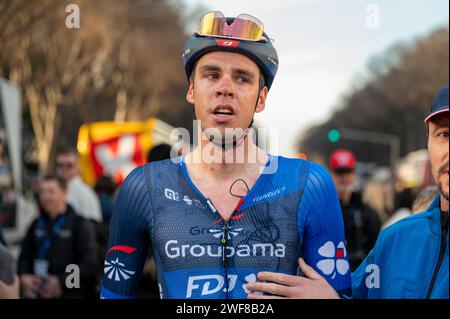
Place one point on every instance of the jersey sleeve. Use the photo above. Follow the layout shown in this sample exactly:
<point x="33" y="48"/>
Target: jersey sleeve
<point x="129" y="238"/>
<point x="322" y="230"/>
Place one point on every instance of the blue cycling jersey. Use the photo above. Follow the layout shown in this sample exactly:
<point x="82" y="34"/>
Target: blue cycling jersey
<point x="292" y="211"/>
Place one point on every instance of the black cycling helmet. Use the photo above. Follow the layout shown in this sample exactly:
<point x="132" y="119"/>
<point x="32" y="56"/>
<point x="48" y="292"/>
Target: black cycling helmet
<point x="263" y="53"/>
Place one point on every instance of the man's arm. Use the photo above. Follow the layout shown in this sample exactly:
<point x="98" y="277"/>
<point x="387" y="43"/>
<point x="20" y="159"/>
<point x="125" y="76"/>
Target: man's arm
<point x="29" y="281"/>
<point x="322" y="231"/>
<point x="128" y="239"/>
<point x="86" y="246"/>
<point x="27" y="252"/>
<point x="86" y="252"/>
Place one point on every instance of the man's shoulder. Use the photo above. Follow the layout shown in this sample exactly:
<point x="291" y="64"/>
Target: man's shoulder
<point x="156" y="170"/>
<point x="288" y="161"/>
<point x="411" y="229"/>
<point x="310" y="176"/>
<point x="74" y="219"/>
<point x="163" y="166"/>
<point x="298" y="165"/>
<point x="405" y="224"/>
<point x="314" y="175"/>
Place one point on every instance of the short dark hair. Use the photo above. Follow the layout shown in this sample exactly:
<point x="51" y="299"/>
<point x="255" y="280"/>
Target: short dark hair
<point x="58" y="179"/>
<point x="68" y="150"/>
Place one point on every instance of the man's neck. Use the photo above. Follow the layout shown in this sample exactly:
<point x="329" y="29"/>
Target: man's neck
<point x="58" y="212"/>
<point x="444" y="204"/>
<point x="243" y="158"/>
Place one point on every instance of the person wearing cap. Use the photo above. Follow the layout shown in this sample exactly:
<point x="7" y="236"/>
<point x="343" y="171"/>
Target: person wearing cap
<point x="361" y="223"/>
<point x="227" y="210"/>
<point x="410" y="258"/>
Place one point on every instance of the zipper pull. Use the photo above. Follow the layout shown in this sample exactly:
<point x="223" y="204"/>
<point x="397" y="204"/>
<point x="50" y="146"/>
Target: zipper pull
<point x="224" y="241"/>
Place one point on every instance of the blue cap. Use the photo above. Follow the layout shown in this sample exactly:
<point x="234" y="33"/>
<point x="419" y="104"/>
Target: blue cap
<point x="439" y="104"/>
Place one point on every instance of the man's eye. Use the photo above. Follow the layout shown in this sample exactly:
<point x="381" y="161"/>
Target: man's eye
<point x="243" y="79"/>
<point x="212" y="75"/>
<point x="443" y="135"/>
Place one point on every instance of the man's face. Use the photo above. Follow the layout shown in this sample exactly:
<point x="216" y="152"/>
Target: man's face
<point x="438" y="151"/>
<point x="225" y="91"/>
<point x="66" y="166"/>
<point x="51" y="196"/>
<point x="344" y="181"/>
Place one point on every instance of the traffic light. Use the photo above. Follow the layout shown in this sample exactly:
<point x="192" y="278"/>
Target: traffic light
<point x="334" y="136"/>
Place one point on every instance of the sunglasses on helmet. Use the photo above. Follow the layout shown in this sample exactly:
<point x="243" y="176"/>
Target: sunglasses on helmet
<point x="244" y="27"/>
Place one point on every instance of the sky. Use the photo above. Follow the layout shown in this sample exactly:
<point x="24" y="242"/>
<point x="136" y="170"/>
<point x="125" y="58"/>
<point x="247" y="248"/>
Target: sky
<point x="323" y="47"/>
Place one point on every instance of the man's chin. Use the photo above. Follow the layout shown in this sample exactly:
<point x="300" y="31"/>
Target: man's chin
<point x="224" y="136"/>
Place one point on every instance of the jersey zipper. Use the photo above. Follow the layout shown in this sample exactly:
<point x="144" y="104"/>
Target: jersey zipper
<point x="225" y="240"/>
<point x="443" y="246"/>
<point x="224" y="243"/>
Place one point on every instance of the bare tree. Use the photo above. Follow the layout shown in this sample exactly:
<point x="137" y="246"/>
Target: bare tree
<point x="394" y="99"/>
<point x="124" y="63"/>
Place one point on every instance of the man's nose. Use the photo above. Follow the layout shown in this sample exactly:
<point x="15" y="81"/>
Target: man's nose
<point x="225" y="88"/>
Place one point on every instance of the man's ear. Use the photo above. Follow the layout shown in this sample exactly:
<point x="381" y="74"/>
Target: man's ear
<point x="190" y="97"/>
<point x="261" y="104"/>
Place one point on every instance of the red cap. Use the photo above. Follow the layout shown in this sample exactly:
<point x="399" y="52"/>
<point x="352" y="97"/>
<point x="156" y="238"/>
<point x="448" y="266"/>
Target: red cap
<point x="342" y="159"/>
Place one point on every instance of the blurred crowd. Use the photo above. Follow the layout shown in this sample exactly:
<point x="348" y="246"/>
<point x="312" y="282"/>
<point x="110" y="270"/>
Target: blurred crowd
<point x="71" y="229"/>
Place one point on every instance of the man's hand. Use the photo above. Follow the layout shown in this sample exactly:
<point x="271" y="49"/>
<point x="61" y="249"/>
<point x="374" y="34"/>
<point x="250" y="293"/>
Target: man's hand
<point x="295" y="287"/>
<point x="10" y="292"/>
<point x="30" y="285"/>
<point x="51" y="289"/>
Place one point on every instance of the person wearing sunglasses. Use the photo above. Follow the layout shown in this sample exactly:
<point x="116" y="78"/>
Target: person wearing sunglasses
<point x="215" y="222"/>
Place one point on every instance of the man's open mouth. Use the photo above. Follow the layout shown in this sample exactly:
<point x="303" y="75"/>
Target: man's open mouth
<point x="223" y="110"/>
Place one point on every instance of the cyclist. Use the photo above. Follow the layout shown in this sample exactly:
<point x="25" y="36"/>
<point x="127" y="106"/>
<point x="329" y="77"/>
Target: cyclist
<point x="214" y="224"/>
